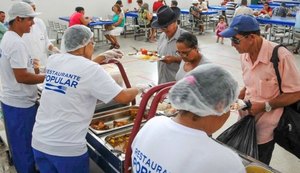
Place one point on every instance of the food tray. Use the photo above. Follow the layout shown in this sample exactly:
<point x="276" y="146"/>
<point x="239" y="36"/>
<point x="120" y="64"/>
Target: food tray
<point x="114" y="119"/>
<point x="117" y="141"/>
<point x="151" y="56"/>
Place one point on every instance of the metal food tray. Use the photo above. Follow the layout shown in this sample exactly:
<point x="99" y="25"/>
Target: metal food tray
<point x="120" y="153"/>
<point x="109" y="158"/>
<point x="108" y="117"/>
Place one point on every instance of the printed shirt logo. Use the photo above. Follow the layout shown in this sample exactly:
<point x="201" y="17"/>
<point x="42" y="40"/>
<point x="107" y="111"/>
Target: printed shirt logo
<point x="143" y="164"/>
<point x="60" y="81"/>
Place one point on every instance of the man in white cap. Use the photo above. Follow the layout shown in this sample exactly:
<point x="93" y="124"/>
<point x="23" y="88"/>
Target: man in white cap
<point x="18" y="100"/>
<point x="37" y="40"/>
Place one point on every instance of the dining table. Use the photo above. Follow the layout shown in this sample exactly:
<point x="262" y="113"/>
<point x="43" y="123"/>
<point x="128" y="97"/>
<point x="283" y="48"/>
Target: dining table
<point x="95" y="21"/>
<point x="288" y="22"/>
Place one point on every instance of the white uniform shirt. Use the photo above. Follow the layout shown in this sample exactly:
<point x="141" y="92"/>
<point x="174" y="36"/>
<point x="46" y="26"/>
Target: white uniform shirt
<point x="243" y="10"/>
<point x="71" y="88"/>
<point x="14" y="55"/>
<point x="37" y="41"/>
<point x="163" y="145"/>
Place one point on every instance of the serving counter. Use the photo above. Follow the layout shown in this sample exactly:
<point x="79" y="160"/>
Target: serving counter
<point x="107" y="146"/>
<point x="110" y="148"/>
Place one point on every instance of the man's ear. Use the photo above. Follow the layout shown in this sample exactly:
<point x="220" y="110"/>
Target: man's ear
<point x="18" y="18"/>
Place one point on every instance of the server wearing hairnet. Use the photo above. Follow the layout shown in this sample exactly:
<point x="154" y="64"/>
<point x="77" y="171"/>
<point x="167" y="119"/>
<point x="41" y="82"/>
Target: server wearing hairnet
<point x="72" y="85"/>
<point x="19" y="93"/>
<point x="37" y="40"/>
<point x="181" y="144"/>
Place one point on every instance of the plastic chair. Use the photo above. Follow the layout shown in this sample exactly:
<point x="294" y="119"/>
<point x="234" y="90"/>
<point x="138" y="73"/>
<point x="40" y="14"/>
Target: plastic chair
<point x="57" y="28"/>
<point x="280" y="32"/>
<point x="141" y="29"/>
<point x="264" y="30"/>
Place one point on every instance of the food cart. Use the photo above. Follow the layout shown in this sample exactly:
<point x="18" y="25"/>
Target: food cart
<point x="111" y="132"/>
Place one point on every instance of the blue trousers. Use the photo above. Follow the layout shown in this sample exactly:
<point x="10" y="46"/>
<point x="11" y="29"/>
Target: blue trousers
<point x="57" y="164"/>
<point x="19" y="124"/>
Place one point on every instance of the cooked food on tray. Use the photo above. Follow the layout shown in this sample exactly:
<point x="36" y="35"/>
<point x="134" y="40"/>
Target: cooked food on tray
<point x="145" y="54"/>
<point x="100" y="126"/>
<point x="114" y="120"/>
<point x="118" y="142"/>
<point x="120" y="123"/>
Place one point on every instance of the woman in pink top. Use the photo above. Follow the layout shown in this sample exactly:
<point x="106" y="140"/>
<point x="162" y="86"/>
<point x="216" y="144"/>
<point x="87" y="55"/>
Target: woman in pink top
<point x="78" y="18"/>
<point x="222" y="25"/>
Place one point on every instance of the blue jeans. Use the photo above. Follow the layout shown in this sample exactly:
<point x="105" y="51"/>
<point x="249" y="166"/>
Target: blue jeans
<point x="58" y="164"/>
<point x="19" y="124"/>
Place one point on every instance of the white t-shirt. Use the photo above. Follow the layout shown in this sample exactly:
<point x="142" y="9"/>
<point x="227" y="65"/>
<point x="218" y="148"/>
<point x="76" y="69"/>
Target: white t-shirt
<point x="14" y="55"/>
<point x="71" y="88"/>
<point x="37" y="41"/>
<point x="165" y="145"/>
<point x="203" y="6"/>
<point x="243" y="10"/>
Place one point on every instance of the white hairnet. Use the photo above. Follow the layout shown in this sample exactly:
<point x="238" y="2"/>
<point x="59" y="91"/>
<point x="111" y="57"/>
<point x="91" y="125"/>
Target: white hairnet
<point x="206" y="90"/>
<point x="75" y="37"/>
<point x="30" y="2"/>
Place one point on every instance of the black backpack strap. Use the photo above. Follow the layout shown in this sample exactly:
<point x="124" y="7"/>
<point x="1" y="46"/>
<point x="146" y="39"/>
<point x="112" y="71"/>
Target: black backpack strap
<point x="275" y="61"/>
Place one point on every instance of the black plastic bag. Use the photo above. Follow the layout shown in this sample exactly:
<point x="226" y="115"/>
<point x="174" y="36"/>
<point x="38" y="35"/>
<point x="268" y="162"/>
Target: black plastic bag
<point x="287" y="132"/>
<point x="241" y="136"/>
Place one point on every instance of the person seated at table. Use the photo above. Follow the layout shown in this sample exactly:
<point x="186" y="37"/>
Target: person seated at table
<point x="120" y="3"/>
<point x="78" y="17"/>
<point x="243" y="9"/>
<point x="195" y="16"/>
<point x="224" y="2"/>
<point x="140" y="3"/>
<point x="203" y="5"/>
<point x="188" y="50"/>
<point x="281" y="11"/>
<point x="296" y="33"/>
<point x="181" y="144"/>
<point x="114" y="30"/>
<point x="145" y="19"/>
<point x="174" y="3"/>
<point x="267" y="10"/>
<point x="157" y="4"/>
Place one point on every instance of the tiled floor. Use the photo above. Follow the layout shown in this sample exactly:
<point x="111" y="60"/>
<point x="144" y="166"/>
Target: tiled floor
<point x="140" y="71"/>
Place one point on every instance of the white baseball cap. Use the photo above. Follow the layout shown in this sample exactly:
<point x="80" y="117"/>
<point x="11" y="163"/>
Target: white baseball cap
<point x="30" y="2"/>
<point x="195" y="2"/>
<point x="21" y="9"/>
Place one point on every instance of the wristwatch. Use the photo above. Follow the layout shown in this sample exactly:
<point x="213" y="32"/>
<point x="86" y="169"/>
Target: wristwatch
<point x="268" y="107"/>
